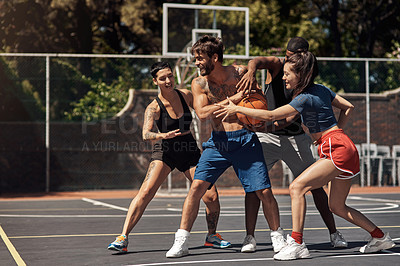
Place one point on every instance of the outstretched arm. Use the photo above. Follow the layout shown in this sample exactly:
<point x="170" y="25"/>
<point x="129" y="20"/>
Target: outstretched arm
<point x="277" y="114"/>
<point x="248" y="81"/>
<point x="201" y="103"/>
<point x="346" y="108"/>
<point x="149" y="117"/>
<point x="280" y="124"/>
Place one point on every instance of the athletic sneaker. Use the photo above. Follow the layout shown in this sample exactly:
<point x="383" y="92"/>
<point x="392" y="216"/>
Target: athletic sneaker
<point x="180" y="246"/>
<point x="249" y="244"/>
<point x="292" y="251"/>
<point x="337" y="240"/>
<point x="120" y="244"/>
<point x="278" y="239"/>
<point x="378" y="244"/>
<point x="216" y="241"/>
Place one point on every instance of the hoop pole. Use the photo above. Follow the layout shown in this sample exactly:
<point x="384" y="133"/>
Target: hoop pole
<point x="47" y="123"/>
<point x="247" y="34"/>
<point x="165" y="29"/>
<point x="368" y="122"/>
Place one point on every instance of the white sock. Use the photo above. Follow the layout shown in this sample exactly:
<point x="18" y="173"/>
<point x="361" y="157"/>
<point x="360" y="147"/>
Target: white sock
<point x="182" y="232"/>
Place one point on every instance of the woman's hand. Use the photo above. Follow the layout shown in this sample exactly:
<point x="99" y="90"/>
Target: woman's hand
<point x="236" y="98"/>
<point x="171" y="134"/>
<point x="226" y="109"/>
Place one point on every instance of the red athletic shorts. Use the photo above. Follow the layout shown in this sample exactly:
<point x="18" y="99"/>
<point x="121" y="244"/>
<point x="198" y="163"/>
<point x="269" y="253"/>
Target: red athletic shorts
<point x="338" y="147"/>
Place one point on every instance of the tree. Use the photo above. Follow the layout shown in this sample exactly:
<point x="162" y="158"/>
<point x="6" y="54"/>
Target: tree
<point x="359" y="28"/>
<point x="350" y="28"/>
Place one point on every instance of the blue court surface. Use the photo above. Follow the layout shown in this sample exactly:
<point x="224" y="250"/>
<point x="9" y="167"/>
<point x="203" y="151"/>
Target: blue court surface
<point x="77" y="232"/>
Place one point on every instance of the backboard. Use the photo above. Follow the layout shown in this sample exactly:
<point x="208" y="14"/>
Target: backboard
<point x="183" y="24"/>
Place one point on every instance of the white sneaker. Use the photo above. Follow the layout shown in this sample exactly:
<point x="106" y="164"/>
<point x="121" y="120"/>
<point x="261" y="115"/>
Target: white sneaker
<point x="278" y="239"/>
<point x="180" y="247"/>
<point x="292" y="251"/>
<point x="337" y="240"/>
<point x="249" y="244"/>
<point x="378" y="244"/>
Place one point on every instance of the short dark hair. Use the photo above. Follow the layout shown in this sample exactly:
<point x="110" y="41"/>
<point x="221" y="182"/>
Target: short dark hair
<point x="210" y="45"/>
<point x="158" y="66"/>
<point x="305" y="66"/>
<point x="297" y="44"/>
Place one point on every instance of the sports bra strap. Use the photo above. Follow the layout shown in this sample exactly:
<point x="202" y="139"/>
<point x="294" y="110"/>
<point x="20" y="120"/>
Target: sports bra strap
<point x="184" y="104"/>
<point x="160" y="103"/>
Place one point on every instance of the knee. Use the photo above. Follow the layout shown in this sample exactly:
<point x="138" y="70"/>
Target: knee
<point x="146" y="194"/>
<point x="211" y="196"/>
<point x="266" y="196"/>
<point x="296" y="190"/>
<point x="338" y="209"/>
<point x="197" y="189"/>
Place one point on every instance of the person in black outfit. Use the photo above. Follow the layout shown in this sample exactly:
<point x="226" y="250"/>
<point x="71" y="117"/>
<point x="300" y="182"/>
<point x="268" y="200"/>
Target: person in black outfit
<point x="175" y="147"/>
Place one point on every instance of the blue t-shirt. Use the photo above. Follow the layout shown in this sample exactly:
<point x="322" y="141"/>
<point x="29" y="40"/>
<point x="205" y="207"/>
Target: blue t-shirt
<point x="315" y="106"/>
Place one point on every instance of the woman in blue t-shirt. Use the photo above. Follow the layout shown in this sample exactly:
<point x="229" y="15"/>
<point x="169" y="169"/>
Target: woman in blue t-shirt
<point x="338" y="162"/>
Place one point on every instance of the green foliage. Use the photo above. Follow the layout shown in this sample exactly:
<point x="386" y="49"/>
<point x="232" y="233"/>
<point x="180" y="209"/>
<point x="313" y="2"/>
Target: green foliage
<point x="101" y="102"/>
<point x="102" y="99"/>
<point x="18" y="99"/>
<point x="333" y="28"/>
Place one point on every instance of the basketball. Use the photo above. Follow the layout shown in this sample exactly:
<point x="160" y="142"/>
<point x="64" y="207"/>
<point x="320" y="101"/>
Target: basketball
<point x="255" y="101"/>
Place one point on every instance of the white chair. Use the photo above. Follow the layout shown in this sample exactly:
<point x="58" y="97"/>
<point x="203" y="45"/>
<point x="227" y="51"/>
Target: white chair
<point x="362" y="174"/>
<point x="396" y="164"/>
<point x="385" y="162"/>
<point x="372" y="150"/>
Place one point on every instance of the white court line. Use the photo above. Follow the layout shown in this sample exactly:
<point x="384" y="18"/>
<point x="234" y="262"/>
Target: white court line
<point x="373" y="199"/>
<point x="258" y="259"/>
<point x="199" y="261"/>
<point x="96" y="202"/>
<point x="286" y="213"/>
<point x="62" y="216"/>
<point x="384" y="210"/>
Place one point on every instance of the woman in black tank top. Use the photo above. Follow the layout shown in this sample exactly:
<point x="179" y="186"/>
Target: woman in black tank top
<point x="177" y="149"/>
<point x="166" y="123"/>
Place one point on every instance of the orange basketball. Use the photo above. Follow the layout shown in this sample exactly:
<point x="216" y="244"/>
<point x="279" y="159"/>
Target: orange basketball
<point x="255" y="101"/>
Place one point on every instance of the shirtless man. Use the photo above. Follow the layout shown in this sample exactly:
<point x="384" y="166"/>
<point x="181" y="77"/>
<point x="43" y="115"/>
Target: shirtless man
<point x="230" y="144"/>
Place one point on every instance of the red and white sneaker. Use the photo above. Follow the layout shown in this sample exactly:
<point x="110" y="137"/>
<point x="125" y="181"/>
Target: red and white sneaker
<point x="292" y="251"/>
<point x="378" y="244"/>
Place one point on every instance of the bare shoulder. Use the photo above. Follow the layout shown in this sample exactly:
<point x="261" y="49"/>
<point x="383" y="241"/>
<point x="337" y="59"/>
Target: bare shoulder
<point x="240" y="69"/>
<point x="199" y="83"/>
<point x="153" y="107"/>
<point x="278" y="62"/>
<point x="185" y="92"/>
<point x="187" y="95"/>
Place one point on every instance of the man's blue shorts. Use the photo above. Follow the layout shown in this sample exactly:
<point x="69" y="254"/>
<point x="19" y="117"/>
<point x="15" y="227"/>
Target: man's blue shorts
<point x="240" y="149"/>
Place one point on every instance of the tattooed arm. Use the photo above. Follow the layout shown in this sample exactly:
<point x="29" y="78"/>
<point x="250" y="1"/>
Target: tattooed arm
<point x="150" y="115"/>
<point x="203" y="103"/>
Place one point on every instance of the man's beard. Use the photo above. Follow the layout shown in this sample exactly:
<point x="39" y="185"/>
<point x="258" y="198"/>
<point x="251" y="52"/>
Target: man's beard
<point x="207" y="69"/>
